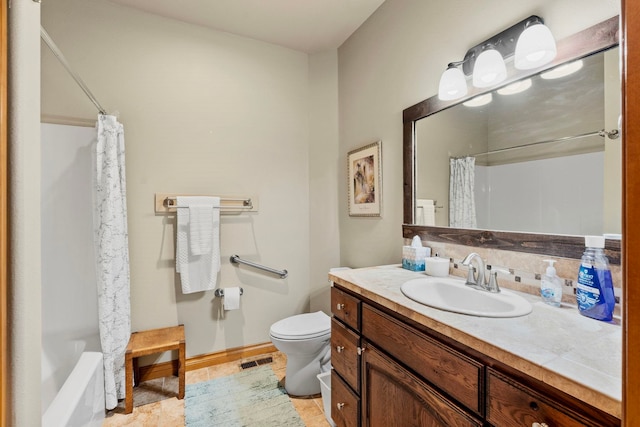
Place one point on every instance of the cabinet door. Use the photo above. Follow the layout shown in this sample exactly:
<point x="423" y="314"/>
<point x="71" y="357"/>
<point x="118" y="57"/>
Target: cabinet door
<point x="392" y="396"/>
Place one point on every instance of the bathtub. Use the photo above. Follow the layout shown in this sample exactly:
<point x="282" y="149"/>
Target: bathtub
<point x="80" y="400"/>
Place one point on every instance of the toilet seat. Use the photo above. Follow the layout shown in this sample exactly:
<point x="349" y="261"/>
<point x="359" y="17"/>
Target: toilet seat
<point x="302" y="327"/>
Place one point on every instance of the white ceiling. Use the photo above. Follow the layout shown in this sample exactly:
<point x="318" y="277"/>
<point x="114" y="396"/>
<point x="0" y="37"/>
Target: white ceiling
<point x="306" y="25"/>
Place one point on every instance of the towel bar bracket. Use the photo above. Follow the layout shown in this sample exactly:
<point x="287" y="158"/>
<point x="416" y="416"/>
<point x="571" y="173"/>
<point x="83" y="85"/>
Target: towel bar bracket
<point x="235" y="259"/>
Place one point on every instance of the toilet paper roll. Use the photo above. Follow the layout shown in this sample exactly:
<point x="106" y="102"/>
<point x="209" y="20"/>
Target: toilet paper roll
<point x="231" y="299"/>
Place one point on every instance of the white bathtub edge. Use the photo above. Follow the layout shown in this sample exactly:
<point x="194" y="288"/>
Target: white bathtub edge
<point x="87" y="374"/>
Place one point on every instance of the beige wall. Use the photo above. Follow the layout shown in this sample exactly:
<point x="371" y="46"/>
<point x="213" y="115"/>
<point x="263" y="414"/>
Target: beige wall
<point x="393" y="61"/>
<point x="207" y="112"/>
<point x="324" y="237"/>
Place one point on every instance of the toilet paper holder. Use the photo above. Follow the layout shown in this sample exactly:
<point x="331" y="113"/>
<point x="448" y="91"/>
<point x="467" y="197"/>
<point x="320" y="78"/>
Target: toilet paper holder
<point x="220" y="292"/>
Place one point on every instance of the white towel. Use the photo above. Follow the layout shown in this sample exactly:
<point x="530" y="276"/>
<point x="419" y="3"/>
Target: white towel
<point x="198" y="271"/>
<point x="203" y="213"/>
<point x="425" y="212"/>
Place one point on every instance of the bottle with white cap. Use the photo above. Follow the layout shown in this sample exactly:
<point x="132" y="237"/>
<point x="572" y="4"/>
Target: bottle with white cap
<point x="594" y="294"/>
<point x="551" y="286"/>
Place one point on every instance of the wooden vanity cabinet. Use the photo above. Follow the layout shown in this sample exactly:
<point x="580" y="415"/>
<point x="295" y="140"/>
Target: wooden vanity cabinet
<point x="389" y="371"/>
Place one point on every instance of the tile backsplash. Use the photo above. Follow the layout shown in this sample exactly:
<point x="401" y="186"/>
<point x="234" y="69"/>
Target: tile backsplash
<point x="525" y="270"/>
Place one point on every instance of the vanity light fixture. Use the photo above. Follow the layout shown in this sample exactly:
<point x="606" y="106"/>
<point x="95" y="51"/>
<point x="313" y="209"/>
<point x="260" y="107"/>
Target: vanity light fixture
<point x="452" y="83"/>
<point x="536" y="46"/>
<point x="529" y="42"/>
<point x="489" y="69"/>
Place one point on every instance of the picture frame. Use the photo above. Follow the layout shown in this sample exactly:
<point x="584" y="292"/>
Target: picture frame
<point x="364" y="176"/>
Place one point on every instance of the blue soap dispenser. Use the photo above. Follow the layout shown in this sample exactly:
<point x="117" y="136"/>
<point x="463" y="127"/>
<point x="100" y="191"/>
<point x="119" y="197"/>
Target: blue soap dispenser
<point x="595" y="295"/>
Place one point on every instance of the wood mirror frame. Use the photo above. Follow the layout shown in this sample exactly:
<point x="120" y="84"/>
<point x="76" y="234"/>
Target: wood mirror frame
<point x="597" y="38"/>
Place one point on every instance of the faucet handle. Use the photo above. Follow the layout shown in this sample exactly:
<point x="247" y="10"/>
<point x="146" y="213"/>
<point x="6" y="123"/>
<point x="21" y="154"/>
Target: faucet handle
<point x="493" y="278"/>
<point x="471" y="275"/>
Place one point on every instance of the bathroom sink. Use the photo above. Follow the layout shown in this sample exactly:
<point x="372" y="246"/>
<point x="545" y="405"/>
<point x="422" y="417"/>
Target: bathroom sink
<point x="450" y="294"/>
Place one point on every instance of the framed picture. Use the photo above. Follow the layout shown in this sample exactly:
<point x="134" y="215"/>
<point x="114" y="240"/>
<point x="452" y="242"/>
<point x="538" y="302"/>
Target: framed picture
<point x="364" y="174"/>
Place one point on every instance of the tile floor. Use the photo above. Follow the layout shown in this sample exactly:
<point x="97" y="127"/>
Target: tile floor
<point x="156" y="405"/>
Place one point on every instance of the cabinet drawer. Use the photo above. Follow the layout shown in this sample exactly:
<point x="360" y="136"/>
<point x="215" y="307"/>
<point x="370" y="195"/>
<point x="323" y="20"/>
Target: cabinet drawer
<point x="510" y="403"/>
<point x="345" y="404"/>
<point x="346" y="308"/>
<point x="344" y="353"/>
<point x="454" y="373"/>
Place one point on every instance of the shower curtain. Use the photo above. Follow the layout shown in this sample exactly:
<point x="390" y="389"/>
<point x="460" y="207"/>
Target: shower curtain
<point x="112" y="254"/>
<point x="462" y="206"/>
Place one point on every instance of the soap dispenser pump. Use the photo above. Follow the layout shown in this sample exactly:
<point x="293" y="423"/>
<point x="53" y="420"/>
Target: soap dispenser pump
<point x="551" y="286"/>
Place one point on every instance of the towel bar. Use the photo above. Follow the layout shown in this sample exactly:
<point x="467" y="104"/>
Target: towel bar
<point x="235" y="259"/>
<point x="220" y="292"/>
<point x="167" y="203"/>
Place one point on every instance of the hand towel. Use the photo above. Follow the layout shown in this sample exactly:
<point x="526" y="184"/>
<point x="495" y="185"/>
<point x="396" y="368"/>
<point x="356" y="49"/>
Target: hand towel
<point x="198" y="272"/>
<point x="203" y="213"/>
<point x="425" y="212"/>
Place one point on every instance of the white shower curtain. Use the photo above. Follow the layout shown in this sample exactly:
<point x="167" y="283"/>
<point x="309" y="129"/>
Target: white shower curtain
<point x="462" y="205"/>
<point x="112" y="254"/>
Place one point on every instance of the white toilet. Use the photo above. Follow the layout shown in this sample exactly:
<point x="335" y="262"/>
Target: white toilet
<point x="305" y="340"/>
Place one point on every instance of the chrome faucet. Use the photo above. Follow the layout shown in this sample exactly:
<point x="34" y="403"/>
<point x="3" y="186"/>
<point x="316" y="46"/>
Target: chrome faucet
<point x="472" y="278"/>
<point x="477" y="280"/>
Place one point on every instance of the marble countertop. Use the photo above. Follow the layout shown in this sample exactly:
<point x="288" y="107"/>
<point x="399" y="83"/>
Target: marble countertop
<point x="558" y="346"/>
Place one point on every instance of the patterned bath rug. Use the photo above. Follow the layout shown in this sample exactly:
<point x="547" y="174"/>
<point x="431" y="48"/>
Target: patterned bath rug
<point x="249" y="398"/>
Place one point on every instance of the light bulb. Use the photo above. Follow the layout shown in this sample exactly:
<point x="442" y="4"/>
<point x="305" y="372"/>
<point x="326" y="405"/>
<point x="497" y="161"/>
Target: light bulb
<point x="452" y="84"/>
<point x="489" y="69"/>
<point x="535" y="47"/>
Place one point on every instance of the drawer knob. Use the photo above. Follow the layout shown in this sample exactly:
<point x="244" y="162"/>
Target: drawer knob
<point x="360" y="350"/>
<point x="340" y="406"/>
<point x="539" y="425"/>
<point x="339" y="306"/>
<point x="534" y="406"/>
<point x="339" y="348"/>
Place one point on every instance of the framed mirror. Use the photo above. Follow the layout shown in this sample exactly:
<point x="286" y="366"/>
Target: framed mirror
<point x="545" y="161"/>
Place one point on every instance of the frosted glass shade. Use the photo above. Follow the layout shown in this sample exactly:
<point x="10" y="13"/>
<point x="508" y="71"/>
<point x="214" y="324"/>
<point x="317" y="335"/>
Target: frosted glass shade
<point x="489" y="69"/>
<point x="535" y="47"/>
<point x="453" y="85"/>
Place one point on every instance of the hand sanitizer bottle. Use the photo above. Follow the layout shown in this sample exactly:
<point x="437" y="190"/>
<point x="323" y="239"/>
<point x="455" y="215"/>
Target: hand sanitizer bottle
<point x="551" y="286"/>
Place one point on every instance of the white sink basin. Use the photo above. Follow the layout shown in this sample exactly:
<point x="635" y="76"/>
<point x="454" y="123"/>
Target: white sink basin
<point x="451" y="294"/>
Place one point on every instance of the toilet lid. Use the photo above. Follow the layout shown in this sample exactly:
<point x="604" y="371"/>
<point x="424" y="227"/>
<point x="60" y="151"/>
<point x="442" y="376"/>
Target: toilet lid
<point x="302" y="326"/>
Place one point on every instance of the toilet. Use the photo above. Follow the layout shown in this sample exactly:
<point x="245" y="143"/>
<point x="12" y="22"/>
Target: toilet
<point x="305" y="340"/>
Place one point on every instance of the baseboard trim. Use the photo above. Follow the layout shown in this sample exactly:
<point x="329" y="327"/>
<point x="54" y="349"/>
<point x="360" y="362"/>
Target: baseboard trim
<point x="165" y="369"/>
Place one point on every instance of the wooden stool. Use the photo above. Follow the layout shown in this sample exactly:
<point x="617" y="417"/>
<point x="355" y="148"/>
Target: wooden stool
<point x="149" y="342"/>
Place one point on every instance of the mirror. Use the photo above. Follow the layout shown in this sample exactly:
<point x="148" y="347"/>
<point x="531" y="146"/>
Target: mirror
<point x="536" y="170"/>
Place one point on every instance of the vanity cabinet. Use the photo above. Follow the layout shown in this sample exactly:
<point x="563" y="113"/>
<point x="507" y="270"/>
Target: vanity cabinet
<point x="391" y="371"/>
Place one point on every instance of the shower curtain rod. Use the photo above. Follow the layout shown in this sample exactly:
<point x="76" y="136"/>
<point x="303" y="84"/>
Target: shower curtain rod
<point x="58" y="54"/>
<point x="613" y="134"/>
